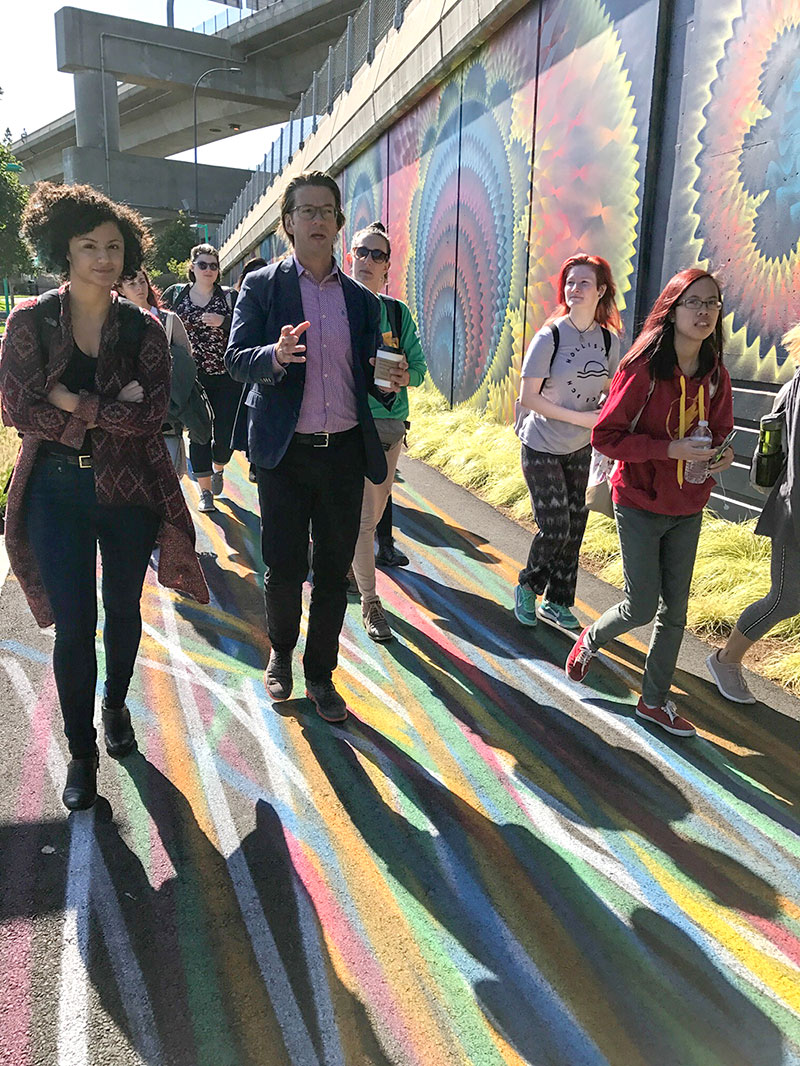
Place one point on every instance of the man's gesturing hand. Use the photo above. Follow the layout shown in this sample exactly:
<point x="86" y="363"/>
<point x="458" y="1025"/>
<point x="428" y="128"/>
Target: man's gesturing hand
<point x="287" y="346"/>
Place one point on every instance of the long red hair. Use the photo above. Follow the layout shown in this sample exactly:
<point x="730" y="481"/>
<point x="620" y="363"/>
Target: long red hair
<point x="606" y="313"/>
<point x="656" y="341"/>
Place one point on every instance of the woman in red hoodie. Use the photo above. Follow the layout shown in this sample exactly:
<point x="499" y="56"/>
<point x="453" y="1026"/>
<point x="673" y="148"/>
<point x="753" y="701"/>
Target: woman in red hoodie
<point x="671" y="379"/>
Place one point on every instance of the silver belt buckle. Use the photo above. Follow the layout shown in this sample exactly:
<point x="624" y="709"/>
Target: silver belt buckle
<point x="84" y="461"/>
<point x="322" y="444"/>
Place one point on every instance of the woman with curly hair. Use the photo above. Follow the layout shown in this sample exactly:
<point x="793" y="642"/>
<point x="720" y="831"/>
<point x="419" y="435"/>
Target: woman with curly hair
<point x="85" y="379"/>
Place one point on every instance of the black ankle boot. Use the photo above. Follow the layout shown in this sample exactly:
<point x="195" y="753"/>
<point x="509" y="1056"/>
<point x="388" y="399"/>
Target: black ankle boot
<point x="80" y="791"/>
<point x="119" y="735"/>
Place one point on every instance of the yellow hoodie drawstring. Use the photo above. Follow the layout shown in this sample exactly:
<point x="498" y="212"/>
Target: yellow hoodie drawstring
<point x="701" y="406"/>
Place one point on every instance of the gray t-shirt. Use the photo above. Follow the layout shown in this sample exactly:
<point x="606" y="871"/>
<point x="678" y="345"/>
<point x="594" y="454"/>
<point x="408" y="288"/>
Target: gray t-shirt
<point x="579" y="376"/>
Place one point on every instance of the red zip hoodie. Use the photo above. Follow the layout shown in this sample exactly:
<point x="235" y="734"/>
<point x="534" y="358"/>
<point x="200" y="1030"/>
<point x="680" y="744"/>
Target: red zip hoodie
<point x="645" y="477"/>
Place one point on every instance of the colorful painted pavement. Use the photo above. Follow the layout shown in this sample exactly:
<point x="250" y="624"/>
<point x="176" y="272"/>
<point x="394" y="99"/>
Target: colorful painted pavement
<point x="487" y="865"/>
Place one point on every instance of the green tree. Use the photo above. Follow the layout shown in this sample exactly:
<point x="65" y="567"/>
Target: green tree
<point x="14" y="257"/>
<point x="175" y="241"/>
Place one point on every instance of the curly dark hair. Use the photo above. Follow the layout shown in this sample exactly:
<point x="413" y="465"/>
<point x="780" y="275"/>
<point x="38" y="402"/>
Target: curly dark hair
<point x="57" y="213"/>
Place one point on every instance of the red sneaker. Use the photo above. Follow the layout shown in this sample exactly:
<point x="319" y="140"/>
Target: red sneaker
<point x="579" y="659"/>
<point x="667" y="717"/>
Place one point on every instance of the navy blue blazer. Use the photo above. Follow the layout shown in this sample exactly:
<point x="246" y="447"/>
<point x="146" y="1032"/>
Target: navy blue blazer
<point x="270" y="299"/>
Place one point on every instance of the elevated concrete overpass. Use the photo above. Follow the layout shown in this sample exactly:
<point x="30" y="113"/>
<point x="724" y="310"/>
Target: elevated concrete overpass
<point x="150" y="114"/>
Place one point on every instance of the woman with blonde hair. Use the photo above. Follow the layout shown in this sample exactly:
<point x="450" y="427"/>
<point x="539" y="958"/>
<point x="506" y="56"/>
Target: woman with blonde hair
<point x="780" y="520"/>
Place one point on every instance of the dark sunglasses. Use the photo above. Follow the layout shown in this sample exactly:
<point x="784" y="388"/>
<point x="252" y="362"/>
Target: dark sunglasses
<point x="377" y="255"/>
<point x="203" y="264"/>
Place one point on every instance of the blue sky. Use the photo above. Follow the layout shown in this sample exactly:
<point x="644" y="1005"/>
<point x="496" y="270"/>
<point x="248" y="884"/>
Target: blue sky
<point x="35" y="93"/>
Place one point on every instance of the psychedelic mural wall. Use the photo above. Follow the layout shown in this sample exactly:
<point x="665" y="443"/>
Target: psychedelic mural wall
<point x="460" y="174"/>
<point x="736" y="194"/>
<point x="536" y="147"/>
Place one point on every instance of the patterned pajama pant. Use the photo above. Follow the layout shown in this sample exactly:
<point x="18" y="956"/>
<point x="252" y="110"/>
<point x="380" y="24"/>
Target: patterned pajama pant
<point x="557" y="484"/>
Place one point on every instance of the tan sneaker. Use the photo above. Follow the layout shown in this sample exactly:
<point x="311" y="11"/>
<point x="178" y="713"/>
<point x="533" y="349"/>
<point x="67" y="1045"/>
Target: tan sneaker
<point x="729" y="680"/>
<point x="375" y="622"/>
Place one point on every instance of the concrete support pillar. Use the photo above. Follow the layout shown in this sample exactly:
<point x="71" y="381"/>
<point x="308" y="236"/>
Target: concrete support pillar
<point x="96" y="121"/>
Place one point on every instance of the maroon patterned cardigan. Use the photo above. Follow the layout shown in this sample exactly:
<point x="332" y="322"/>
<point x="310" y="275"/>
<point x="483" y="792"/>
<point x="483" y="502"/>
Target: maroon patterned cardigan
<point x="130" y="460"/>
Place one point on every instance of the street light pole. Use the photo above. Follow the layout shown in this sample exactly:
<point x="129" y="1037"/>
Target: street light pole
<point x="212" y="70"/>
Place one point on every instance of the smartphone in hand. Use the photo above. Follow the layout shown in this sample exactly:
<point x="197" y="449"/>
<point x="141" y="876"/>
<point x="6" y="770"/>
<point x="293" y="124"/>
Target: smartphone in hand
<point x="723" y="447"/>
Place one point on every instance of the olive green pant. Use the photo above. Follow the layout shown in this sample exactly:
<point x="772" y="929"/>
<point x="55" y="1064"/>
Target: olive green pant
<point x="658" y="553"/>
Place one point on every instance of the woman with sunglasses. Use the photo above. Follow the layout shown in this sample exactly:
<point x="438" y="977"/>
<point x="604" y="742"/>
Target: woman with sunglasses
<point x="670" y="380"/>
<point x="369" y="262"/>
<point x="206" y="310"/>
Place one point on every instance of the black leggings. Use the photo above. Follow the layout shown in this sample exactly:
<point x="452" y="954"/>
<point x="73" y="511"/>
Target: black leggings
<point x="223" y="394"/>
<point x="65" y="524"/>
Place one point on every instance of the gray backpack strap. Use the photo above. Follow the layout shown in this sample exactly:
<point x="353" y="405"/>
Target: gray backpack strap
<point x="635" y="421"/>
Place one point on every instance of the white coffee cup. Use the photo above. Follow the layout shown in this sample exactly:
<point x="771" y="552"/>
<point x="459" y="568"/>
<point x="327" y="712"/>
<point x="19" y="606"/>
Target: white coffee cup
<point x="385" y="359"/>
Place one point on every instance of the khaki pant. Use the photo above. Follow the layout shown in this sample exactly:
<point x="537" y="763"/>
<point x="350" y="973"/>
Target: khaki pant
<point x="373" y="504"/>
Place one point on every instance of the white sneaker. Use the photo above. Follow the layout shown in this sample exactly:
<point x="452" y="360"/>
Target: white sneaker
<point x="729" y="679"/>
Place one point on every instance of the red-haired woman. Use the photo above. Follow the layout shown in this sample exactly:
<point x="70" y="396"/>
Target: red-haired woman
<point x="565" y="374"/>
<point x="671" y="379"/>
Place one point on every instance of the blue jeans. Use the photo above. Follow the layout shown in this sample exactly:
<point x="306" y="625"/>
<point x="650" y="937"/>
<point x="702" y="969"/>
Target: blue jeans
<point x="65" y="524"/>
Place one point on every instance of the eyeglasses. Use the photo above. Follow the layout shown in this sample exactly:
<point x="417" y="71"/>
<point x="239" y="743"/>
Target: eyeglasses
<point x="308" y="212"/>
<point x="377" y="255"/>
<point x="203" y="264"/>
<point x="694" y="303"/>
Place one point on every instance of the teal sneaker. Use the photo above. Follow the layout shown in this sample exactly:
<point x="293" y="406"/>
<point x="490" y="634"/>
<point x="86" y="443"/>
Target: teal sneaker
<point x="556" y="612"/>
<point x="525" y="605"/>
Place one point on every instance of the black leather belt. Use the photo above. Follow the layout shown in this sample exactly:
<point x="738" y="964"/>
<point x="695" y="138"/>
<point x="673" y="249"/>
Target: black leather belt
<point x="324" y="440"/>
<point x="83" y="461"/>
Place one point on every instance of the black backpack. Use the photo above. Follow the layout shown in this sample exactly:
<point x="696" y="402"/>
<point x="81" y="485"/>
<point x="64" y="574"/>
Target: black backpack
<point x="556" y="340"/>
<point x="133" y="323"/>
<point x="395" y="314"/>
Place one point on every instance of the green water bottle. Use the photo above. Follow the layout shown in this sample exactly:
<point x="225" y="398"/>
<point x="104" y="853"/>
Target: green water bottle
<point x="769" y="454"/>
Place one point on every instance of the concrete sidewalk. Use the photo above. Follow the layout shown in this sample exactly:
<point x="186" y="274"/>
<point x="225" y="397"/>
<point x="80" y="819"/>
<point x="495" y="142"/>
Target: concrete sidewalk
<point x="487" y="864"/>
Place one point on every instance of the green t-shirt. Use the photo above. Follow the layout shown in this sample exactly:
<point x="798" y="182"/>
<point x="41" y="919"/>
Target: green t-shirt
<point x="412" y="349"/>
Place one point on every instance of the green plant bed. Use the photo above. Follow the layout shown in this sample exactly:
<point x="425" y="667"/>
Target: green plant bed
<point x="732" y="568"/>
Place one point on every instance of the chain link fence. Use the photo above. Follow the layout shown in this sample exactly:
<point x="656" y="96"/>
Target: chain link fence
<point x="355" y="47"/>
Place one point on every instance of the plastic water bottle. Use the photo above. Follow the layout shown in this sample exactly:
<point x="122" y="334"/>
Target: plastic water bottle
<point x="696" y="470"/>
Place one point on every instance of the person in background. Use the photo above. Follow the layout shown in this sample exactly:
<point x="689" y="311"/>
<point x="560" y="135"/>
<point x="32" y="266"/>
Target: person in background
<point x="304" y="340"/>
<point x="140" y="291"/>
<point x="565" y="376"/>
<point x="256" y="263"/>
<point x="388" y="554"/>
<point x="369" y="259"/>
<point x="85" y="378"/>
<point x="780" y="521"/>
<point x="206" y="309"/>
<point x="671" y="379"/>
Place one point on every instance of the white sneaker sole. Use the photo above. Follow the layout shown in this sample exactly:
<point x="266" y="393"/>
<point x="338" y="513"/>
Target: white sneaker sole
<point x="711" y="664"/>
<point x="547" y="617"/>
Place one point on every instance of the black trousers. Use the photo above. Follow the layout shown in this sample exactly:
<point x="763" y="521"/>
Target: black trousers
<point x="65" y="524"/>
<point x="223" y="395"/>
<point x="557" y="484"/>
<point x="322" y="487"/>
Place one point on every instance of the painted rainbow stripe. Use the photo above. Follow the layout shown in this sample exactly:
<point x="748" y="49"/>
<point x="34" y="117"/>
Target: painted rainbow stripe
<point x="488" y="865"/>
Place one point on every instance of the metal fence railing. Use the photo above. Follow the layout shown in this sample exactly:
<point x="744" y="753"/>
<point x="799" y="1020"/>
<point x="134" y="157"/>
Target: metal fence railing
<point x="229" y="16"/>
<point x="355" y="47"/>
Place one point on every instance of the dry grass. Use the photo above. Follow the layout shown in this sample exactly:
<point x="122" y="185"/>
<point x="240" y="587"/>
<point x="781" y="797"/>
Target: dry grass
<point x="732" y="568"/>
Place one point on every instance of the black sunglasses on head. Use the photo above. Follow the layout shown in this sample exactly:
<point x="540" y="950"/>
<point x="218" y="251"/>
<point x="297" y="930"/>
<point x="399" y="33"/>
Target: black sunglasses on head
<point x="203" y="264"/>
<point x="377" y="255"/>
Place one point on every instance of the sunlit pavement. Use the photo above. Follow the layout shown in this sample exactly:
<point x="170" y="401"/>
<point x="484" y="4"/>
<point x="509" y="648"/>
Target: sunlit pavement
<point x="487" y="864"/>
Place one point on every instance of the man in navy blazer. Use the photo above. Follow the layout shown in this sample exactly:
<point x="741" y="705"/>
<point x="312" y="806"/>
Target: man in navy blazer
<point x="310" y="433"/>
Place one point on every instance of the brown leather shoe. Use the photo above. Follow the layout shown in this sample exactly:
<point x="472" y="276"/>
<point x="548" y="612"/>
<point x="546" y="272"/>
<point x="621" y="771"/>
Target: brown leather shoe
<point x="326" y="699"/>
<point x="278" y="675"/>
